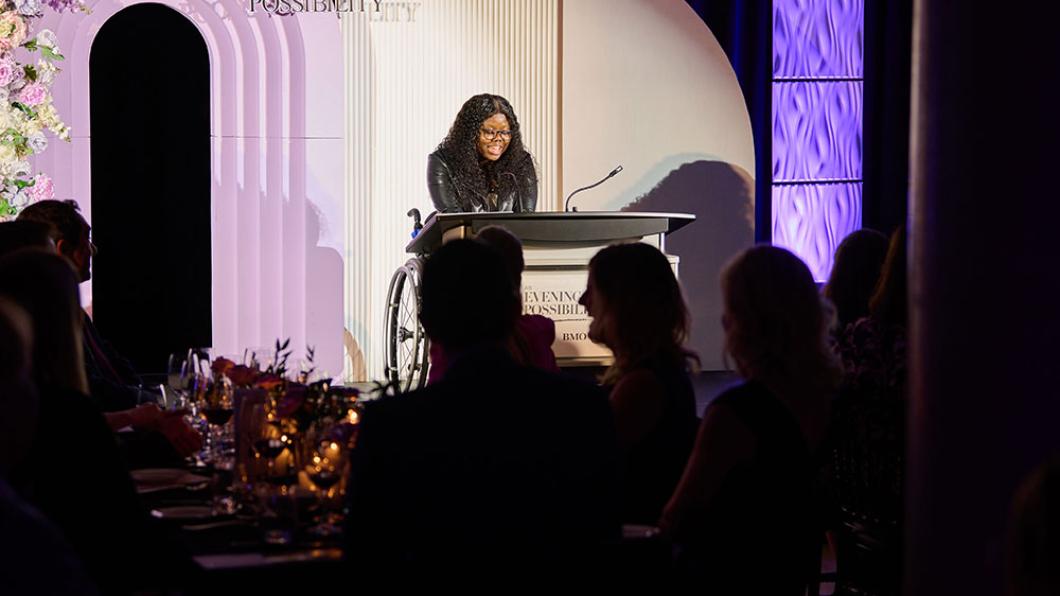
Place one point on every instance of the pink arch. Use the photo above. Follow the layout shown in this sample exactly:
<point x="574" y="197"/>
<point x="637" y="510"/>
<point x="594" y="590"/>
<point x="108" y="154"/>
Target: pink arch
<point x="258" y="162"/>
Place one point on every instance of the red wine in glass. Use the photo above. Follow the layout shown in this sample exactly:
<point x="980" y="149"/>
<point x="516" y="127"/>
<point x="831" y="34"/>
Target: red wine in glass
<point x="217" y="416"/>
<point x="270" y="448"/>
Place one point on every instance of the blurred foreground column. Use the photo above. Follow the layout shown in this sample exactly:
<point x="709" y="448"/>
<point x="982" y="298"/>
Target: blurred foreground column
<point x="985" y="282"/>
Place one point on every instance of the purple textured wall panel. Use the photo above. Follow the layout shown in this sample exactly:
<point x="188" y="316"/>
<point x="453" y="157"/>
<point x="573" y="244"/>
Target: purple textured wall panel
<point x="821" y="38"/>
<point x="811" y="219"/>
<point x="816" y="126"/>
<point x="816" y="130"/>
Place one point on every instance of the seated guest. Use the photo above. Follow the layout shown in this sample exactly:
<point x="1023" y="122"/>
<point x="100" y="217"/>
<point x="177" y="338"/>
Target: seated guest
<point x="742" y="513"/>
<point x="531" y="340"/>
<point x="496" y="465"/>
<point x="113" y="383"/>
<point x="112" y="380"/>
<point x="74" y="473"/>
<point x="34" y="556"/>
<point x="854" y="275"/>
<point x="868" y="437"/>
<point x="639" y="313"/>
<point x="15" y="235"/>
<point x="873" y="347"/>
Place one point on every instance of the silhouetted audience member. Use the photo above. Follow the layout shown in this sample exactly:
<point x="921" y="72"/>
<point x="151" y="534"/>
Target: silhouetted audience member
<point x="34" y="556"/>
<point x="494" y="469"/>
<point x="74" y="473"/>
<point x="1034" y="534"/>
<point x="531" y="341"/>
<point x="873" y="348"/>
<point x="855" y="273"/>
<point x="639" y="313"/>
<point x="743" y="513"/>
<point x="868" y="436"/>
<point x="114" y="383"/>
<point x="159" y="439"/>
<point x="15" y="235"/>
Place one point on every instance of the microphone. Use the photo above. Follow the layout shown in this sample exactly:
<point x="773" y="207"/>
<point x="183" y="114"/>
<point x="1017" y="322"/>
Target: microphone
<point x="566" y="204"/>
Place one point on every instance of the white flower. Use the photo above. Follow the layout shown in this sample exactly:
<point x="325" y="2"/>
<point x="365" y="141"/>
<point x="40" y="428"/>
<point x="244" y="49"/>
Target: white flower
<point x="7" y="158"/>
<point x="28" y="8"/>
<point x="46" y="72"/>
<point x="22" y="169"/>
<point x="18" y="80"/>
<point x="37" y="143"/>
<point x="47" y="39"/>
<point x="20" y="200"/>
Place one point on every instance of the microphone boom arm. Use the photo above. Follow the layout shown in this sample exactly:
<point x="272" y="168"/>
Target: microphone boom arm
<point x="566" y="204"/>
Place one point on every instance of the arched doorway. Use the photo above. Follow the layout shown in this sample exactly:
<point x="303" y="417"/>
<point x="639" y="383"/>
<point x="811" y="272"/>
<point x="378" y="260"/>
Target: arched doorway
<point x="150" y="148"/>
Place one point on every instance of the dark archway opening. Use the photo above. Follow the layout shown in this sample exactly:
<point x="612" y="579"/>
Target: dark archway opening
<point x="150" y="112"/>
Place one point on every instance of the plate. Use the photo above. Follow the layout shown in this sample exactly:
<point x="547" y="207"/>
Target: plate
<point x="185" y="513"/>
<point x="158" y="475"/>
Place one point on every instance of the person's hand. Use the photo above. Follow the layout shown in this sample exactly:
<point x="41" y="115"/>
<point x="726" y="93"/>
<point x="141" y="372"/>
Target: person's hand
<point x="184" y="439"/>
<point x="145" y="417"/>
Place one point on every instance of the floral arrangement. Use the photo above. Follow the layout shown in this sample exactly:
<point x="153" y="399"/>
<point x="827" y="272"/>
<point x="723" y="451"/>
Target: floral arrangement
<point x="297" y="403"/>
<point x="26" y="109"/>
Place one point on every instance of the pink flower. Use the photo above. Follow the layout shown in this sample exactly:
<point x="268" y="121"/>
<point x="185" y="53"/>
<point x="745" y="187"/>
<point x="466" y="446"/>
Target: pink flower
<point x="42" y="189"/>
<point x="8" y="68"/>
<point x="12" y="30"/>
<point x="33" y="94"/>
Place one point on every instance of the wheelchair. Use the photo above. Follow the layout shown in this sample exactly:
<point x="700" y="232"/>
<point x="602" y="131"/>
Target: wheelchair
<point x="407" y="347"/>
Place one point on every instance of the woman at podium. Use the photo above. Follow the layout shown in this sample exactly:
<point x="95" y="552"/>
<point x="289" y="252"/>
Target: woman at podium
<point x="481" y="165"/>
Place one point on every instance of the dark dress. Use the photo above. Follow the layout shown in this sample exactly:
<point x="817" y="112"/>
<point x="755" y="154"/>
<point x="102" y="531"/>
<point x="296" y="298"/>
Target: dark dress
<point x="494" y="467"/>
<point x="757" y="535"/>
<point x="76" y="477"/>
<point x="654" y="465"/>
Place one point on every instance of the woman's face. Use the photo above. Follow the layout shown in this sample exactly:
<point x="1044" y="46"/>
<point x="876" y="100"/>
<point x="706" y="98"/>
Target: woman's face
<point x="494" y="136"/>
<point x="594" y="307"/>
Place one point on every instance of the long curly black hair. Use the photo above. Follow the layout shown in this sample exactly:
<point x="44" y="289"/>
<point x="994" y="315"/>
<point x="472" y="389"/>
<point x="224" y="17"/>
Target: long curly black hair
<point x="473" y="175"/>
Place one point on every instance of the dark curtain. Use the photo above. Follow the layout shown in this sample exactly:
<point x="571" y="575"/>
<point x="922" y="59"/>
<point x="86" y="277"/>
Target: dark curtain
<point x="745" y="32"/>
<point x="885" y="124"/>
<point x="150" y="110"/>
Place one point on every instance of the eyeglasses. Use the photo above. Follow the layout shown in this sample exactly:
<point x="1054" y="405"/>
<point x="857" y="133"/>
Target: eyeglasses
<point x="489" y="135"/>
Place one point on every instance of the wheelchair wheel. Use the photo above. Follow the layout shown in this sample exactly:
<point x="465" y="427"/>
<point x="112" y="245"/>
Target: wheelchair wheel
<point x="406" y="343"/>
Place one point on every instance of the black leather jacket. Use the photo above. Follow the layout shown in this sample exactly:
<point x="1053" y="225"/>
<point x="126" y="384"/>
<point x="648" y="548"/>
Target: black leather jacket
<point x="448" y="200"/>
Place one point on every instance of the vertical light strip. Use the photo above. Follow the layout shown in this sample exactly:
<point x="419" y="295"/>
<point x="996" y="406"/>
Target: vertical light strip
<point x="358" y="215"/>
<point x="817" y="116"/>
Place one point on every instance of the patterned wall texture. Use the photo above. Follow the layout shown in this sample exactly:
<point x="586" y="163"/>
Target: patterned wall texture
<point x="817" y="102"/>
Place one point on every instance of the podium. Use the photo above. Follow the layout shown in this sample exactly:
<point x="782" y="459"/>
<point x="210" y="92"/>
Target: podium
<point x="557" y="248"/>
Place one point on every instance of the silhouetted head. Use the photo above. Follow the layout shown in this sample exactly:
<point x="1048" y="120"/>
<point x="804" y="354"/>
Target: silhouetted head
<point x="889" y="303"/>
<point x="19" y="234"/>
<point x="636" y="306"/>
<point x="45" y="286"/>
<point x="467" y="296"/>
<point x="508" y="247"/>
<point x="855" y="274"/>
<point x="776" y="322"/>
<point x="73" y="237"/>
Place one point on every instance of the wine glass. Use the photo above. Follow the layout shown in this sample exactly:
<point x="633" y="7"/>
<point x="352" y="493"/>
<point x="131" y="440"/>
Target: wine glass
<point x="326" y="469"/>
<point x="215" y="406"/>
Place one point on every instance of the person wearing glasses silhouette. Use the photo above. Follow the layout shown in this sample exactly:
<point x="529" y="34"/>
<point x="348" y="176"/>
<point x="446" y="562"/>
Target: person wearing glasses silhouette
<point x="482" y="165"/>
